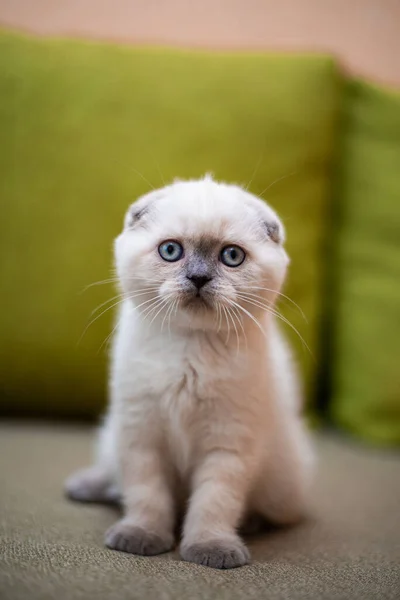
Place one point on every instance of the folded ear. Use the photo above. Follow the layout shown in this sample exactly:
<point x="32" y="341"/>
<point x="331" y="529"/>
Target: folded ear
<point x="275" y="231"/>
<point x="135" y="213"/>
<point x="267" y="219"/>
<point x="138" y="211"/>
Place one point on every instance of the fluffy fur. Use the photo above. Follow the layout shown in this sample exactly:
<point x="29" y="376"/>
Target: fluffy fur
<point x="204" y="417"/>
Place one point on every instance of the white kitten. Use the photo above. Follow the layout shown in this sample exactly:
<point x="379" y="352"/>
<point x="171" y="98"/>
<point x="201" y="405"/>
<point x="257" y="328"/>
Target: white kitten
<point x="204" y="413"/>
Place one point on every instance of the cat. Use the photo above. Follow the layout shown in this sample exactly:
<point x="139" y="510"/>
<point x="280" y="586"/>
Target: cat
<point x="205" y="404"/>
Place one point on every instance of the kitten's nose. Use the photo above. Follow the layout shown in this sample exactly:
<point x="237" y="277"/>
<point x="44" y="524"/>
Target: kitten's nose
<point x="199" y="280"/>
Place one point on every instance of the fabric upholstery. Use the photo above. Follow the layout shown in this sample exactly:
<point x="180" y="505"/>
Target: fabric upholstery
<point x="53" y="548"/>
<point x="366" y="263"/>
<point x="85" y="127"/>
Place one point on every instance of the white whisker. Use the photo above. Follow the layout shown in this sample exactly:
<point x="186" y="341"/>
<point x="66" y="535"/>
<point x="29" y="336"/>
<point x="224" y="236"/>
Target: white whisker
<point x="98" y="317"/>
<point x="174" y="308"/>
<point x="115" y="280"/>
<point x="163" y="304"/>
<point x="171" y="304"/>
<point x="239" y="319"/>
<point x="219" y="317"/>
<point x="142" y="176"/>
<point x="159" y="170"/>
<point x="108" y="338"/>
<point x="236" y="331"/>
<point x="279" y="294"/>
<point x="106" y="310"/>
<point x="101" y="282"/>
<point x="246" y="312"/>
<point x="274" y="182"/>
<point x="149" y="309"/>
<point x="140" y="292"/>
<point x="227" y="323"/>
<point x="104" y="303"/>
<point x="254" y="172"/>
<point x="274" y="312"/>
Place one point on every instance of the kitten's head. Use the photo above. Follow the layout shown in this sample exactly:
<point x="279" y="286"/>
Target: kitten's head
<point x="194" y="249"/>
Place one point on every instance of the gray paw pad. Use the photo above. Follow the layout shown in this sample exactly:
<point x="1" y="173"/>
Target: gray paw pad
<point x="126" y="537"/>
<point x="217" y="554"/>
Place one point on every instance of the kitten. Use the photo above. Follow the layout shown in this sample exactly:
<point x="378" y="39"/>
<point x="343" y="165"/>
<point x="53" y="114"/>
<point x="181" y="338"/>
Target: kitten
<point x="204" y="402"/>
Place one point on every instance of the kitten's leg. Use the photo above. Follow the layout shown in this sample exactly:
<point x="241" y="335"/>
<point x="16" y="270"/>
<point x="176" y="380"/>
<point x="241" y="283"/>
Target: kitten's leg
<point x="216" y="507"/>
<point x="148" y="525"/>
<point x="97" y="483"/>
<point x="281" y="493"/>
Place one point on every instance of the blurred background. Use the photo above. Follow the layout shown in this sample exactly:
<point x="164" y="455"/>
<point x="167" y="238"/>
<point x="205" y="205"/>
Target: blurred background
<point x="99" y="102"/>
<point x="295" y="99"/>
<point x="363" y="34"/>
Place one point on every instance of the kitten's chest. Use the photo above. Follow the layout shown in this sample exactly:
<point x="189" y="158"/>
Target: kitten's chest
<point x="197" y="402"/>
<point x="175" y="369"/>
<point x="182" y="407"/>
<point x="181" y="382"/>
<point x="185" y="401"/>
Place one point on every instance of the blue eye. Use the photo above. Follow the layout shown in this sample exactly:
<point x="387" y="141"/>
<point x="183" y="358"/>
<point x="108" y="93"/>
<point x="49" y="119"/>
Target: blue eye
<point x="232" y="256"/>
<point x="170" y="251"/>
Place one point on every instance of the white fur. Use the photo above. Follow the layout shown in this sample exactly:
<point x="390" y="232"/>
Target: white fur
<point x="204" y="405"/>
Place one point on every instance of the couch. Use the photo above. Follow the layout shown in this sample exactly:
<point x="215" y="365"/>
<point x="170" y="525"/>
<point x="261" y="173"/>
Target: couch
<point x="87" y="128"/>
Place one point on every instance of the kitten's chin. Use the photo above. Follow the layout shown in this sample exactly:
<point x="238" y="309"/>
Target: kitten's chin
<point x="198" y="303"/>
<point x="197" y="312"/>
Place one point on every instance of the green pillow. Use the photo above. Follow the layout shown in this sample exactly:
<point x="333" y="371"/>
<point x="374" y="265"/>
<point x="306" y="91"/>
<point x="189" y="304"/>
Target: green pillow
<point x="86" y="128"/>
<point x="366" y="378"/>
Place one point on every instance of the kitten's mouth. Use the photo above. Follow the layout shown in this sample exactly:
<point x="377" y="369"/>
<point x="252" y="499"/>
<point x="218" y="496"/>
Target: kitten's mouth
<point x="197" y="301"/>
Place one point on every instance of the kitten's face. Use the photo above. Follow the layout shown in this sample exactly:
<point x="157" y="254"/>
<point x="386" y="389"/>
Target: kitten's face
<point x="193" y="250"/>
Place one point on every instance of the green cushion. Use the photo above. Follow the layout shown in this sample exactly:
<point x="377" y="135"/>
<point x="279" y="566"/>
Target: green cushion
<point x="84" y="127"/>
<point x="367" y="346"/>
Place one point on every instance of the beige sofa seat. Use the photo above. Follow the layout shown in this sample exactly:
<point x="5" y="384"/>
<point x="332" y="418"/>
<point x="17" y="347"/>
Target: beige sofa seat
<point x="53" y="548"/>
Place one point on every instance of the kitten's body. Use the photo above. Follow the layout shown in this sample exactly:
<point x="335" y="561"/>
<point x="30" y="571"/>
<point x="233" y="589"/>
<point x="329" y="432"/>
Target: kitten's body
<point x="204" y="404"/>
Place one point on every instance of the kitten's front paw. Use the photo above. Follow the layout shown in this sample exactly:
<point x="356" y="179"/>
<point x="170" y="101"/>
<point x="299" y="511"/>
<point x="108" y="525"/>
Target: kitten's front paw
<point x="219" y="554"/>
<point x="126" y="537"/>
